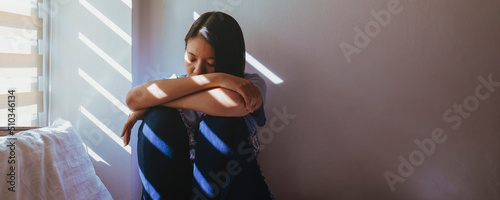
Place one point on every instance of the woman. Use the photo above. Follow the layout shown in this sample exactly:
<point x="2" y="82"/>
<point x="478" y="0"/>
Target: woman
<point x="197" y="138"/>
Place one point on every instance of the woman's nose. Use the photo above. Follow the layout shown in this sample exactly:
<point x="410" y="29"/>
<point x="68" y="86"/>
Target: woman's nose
<point x="199" y="68"/>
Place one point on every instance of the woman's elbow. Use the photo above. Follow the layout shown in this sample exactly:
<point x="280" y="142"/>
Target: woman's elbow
<point x="231" y="103"/>
<point x="131" y="100"/>
<point x="239" y="109"/>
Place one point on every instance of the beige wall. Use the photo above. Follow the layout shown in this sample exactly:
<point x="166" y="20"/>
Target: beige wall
<point x="410" y="102"/>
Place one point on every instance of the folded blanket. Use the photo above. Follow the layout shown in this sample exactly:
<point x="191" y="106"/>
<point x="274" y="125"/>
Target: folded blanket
<point x="48" y="163"/>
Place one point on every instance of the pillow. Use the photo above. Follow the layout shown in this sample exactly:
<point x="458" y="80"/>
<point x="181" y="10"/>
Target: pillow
<point x="48" y="163"/>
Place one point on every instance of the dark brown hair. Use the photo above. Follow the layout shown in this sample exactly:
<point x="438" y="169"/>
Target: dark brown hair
<point x="224" y="34"/>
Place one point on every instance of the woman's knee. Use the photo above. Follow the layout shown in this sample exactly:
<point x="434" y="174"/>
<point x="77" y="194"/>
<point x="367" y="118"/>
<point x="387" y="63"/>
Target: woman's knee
<point x="230" y="123"/>
<point x="164" y="122"/>
<point x="163" y="116"/>
<point x="231" y="130"/>
<point x="158" y="113"/>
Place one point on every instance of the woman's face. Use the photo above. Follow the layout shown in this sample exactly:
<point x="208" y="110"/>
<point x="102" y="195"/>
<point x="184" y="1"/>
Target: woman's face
<point x="199" y="57"/>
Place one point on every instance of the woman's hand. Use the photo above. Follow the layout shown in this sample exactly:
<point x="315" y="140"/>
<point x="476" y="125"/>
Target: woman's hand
<point x="250" y="93"/>
<point x="132" y="119"/>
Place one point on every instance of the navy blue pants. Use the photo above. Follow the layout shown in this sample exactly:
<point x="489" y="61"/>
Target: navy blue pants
<point x="225" y="166"/>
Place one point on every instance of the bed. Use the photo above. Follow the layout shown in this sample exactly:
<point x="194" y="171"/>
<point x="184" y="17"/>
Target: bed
<point x="48" y="163"/>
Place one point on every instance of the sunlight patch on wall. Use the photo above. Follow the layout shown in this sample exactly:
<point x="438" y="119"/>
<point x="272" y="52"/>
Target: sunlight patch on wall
<point x="128" y="3"/>
<point x="106" y="57"/>
<point x="263" y="69"/>
<point x="195" y="15"/>
<point x="107" y="21"/>
<point x="104" y="92"/>
<point x="104" y="128"/>
<point x="94" y="155"/>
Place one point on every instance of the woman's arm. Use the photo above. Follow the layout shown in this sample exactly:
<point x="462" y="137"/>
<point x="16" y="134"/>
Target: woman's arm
<point x="160" y="92"/>
<point x="131" y="120"/>
<point x="217" y="102"/>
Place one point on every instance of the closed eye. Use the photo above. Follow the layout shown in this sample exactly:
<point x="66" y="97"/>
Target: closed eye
<point x="211" y="62"/>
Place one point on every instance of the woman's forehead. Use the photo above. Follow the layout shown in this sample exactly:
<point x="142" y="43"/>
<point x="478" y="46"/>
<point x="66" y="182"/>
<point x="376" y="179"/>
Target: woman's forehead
<point x="199" y="47"/>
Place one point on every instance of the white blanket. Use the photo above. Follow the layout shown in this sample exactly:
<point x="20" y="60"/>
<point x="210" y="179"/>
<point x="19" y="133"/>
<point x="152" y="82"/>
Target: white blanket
<point x="48" y="163"/>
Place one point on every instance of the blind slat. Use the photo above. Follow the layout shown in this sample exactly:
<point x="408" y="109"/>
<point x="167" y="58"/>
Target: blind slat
<point x="21" y="60"/>
<point x="24" y="99"/>
<point x="22" y="21"/>
<point x="11" y="62"/>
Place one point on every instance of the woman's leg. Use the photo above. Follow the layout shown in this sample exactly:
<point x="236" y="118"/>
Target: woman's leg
<point x="225" y="164"/>
<point x="163" y="155"/>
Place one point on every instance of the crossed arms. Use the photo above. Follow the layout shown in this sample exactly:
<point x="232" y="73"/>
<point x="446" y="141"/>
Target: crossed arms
<point x="216" y="94"/>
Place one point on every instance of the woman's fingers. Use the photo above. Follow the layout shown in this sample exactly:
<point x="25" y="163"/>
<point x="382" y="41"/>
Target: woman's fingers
<point x="257" y="98"/>
<point x="250" y="93"/>
<point x="253" y="104"/>
<point x="256" y="103"/>
<point x="127" y="128"/>
<point x="124" y="128"/>
<point x="131" y="120"/>
<point x="126" y="139"/>
<point x="125" y="134"/>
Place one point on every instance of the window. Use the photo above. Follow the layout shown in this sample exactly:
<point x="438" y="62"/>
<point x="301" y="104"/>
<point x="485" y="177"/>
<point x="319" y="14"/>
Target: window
<point x="23" y="63"/>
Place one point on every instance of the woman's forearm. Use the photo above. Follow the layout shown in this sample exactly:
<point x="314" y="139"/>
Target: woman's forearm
<point x="159" y="92"/>
<point x="216" y="101"/>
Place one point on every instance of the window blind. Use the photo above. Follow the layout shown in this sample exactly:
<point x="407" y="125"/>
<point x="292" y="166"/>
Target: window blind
<point x="23" y="63"/>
